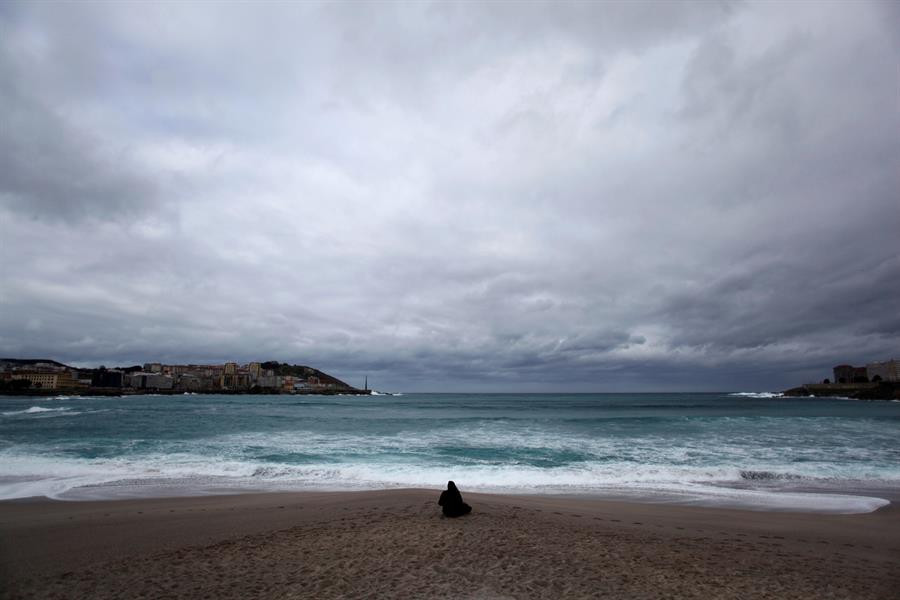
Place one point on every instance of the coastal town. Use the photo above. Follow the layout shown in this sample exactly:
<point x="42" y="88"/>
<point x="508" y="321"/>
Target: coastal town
<point x="44" y="375"/>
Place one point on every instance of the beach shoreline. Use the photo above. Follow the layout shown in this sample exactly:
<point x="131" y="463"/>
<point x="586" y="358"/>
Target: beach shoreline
<point x="847" y="498"/>
<point x="396" y="543"/>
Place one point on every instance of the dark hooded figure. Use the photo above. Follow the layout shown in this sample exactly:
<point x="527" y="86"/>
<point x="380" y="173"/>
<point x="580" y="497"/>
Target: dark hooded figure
<point x="452" y="503"/>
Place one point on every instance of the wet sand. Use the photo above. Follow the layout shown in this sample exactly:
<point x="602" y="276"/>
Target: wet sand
<point x="396" y="544"/>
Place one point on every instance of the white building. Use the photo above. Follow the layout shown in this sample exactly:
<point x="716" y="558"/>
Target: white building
<point x="150" y="381"/>
<point x="888" y="370"/>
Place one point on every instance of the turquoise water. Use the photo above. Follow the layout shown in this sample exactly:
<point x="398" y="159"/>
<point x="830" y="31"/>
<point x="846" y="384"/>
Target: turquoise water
<point x="756" y="450"/>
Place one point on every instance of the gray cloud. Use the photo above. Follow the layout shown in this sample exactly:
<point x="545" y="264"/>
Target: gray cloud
<point x="50" y="169"/>
<point x="575" y="196"/>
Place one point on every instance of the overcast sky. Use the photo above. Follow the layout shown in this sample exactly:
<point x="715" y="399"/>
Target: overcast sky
<point x="455" y="196"/>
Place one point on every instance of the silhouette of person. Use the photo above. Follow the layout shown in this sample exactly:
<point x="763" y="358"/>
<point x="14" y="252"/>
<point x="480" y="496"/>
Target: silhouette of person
<point x="452" y="503"/>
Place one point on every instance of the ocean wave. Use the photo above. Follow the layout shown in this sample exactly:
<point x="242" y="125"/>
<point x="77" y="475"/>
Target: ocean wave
<point x="268" y="443"/>
<point x="770" y="476"/>
<point x="31" y="474"/>
<point x="758" y="394"/>
<point x="35" y="410"/>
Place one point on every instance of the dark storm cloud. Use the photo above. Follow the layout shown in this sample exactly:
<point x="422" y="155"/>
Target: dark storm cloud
<point x="577" y="196"/>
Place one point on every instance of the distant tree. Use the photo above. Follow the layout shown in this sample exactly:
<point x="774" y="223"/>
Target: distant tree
<point x="826" y="381"/>
<point x="876" y="378"/>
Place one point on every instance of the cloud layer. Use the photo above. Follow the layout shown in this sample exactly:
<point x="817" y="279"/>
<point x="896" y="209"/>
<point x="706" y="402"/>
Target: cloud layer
<point x="583" y="197"/>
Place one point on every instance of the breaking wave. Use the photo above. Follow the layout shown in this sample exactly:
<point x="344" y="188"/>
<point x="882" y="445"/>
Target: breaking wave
<point x="35" y="410"/>
<point x="770" y="476"/>
<point x="54" y="477"/>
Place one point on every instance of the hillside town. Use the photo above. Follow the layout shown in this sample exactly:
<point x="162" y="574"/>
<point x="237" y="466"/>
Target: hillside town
<point x="38" y="375"/>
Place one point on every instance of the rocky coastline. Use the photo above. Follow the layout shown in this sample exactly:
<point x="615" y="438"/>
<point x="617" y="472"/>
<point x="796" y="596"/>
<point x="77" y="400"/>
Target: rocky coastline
<point x="883" y="390"/>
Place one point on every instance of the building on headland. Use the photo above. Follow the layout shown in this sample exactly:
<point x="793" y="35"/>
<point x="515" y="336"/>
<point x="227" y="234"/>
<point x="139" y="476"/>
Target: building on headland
<point x="107" y="378"/>
<point x="235" y="378"/>
<point x="875" y="381"/>
<point x="39" y="379"/>
<point x="150" y="381"/>
<point x="269" y="381"/>
<point x="48" y="380"/>
<point x="255" y="370"/>
<point x="83" y="378"/>
<point x="888" y="370"/>
<point x="849" y="374"/>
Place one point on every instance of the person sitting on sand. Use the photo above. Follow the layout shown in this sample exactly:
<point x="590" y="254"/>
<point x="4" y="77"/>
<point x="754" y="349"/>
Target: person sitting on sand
<point x="452" y="503"/>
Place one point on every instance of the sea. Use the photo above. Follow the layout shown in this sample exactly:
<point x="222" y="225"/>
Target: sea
<point x="755" y="450"/>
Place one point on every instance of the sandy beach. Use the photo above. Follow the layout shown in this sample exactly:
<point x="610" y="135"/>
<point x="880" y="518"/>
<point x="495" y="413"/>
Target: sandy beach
<point x="396" y="544"/>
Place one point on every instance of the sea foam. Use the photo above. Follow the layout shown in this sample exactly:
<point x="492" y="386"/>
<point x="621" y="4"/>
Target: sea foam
<point x="54" y="477"/>
<point x="36" y="410"/>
